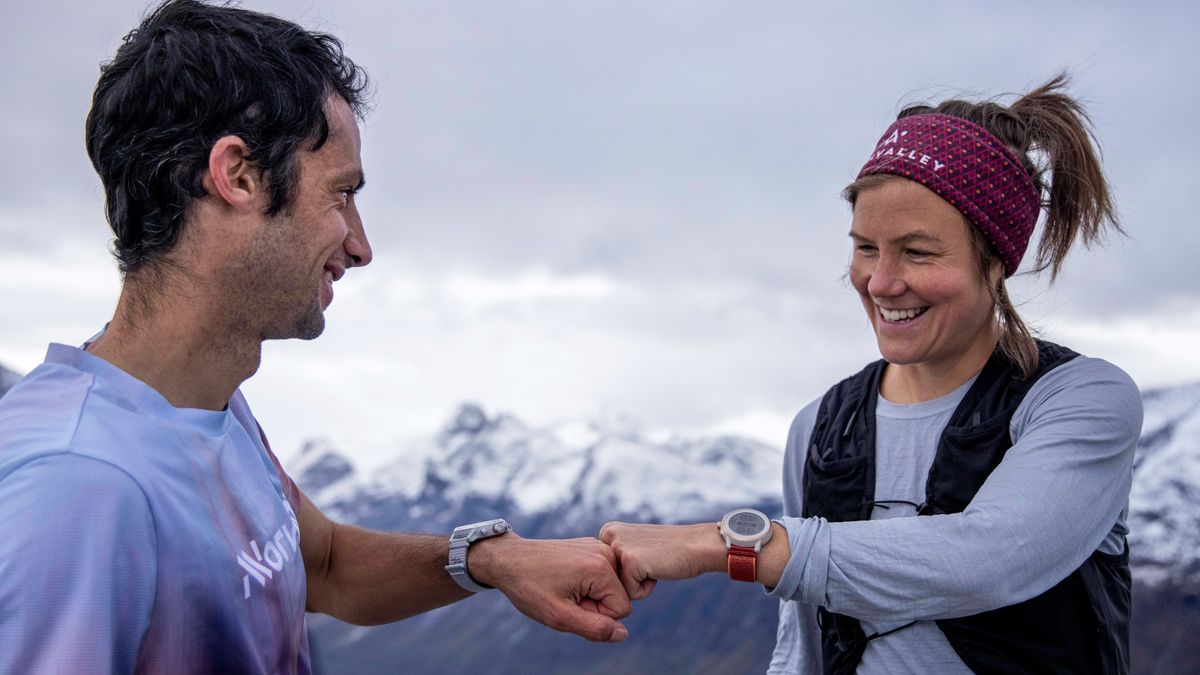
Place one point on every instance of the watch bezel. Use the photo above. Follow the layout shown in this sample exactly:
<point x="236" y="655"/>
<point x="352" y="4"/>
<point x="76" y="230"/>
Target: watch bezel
<point x="754" y="541"/>
<point x="495" y="527"/>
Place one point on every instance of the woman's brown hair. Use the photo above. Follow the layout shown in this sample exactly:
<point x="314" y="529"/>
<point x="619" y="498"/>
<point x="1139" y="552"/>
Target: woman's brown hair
<point x="1051" y="134"/>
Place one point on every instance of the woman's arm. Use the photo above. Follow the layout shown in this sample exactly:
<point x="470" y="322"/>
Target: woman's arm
<point x="1041" y="513"/>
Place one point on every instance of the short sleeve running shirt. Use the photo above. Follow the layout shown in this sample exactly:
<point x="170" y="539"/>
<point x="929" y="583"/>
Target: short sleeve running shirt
<point x="140" y="537"/>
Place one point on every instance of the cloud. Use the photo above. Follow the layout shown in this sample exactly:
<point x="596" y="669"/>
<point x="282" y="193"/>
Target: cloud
<point x="593" y="206"/>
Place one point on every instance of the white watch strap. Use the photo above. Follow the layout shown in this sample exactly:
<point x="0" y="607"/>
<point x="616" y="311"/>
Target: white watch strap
<point x="458" y="568"/>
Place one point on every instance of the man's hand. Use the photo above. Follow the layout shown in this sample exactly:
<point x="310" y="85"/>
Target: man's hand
<point x="647" y="553"/>
<point x="569" y="585"/>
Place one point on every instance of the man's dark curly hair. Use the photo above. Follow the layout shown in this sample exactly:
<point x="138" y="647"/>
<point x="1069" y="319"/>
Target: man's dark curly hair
<point x="188" y="75"/>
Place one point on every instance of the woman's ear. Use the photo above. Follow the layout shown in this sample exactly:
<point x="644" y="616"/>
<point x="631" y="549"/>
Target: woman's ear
<point x="995" y="272"/>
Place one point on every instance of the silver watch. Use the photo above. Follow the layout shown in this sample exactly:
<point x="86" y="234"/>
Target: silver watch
<point x="461" y="539"/>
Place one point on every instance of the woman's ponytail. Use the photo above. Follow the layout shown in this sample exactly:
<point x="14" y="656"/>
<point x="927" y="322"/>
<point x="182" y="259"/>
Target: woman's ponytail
<point x="1080" y="202"/>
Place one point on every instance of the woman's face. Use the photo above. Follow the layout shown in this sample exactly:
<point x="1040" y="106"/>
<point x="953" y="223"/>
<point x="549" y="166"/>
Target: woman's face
<point x="917" y="273"/>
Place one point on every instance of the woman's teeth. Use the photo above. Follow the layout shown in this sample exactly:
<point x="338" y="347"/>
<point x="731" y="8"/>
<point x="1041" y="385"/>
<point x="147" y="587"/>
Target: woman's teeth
<point x="901" y="314"/>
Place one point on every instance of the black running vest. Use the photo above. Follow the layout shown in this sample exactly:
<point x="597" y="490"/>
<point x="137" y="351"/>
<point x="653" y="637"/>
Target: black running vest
<point x="1080" y="625"/>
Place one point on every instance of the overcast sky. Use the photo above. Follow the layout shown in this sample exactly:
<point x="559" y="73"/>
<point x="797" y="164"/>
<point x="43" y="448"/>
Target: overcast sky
<point x="626" y="208"/>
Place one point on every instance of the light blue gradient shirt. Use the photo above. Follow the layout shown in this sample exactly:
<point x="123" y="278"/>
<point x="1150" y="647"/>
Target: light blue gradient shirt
<point x="142" y="537"/>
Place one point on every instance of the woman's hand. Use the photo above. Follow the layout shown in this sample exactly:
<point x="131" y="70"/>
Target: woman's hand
<point x="647" y="553"/>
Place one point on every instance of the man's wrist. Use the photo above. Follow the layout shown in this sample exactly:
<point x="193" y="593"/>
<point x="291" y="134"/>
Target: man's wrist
<point x="489" y="556"/>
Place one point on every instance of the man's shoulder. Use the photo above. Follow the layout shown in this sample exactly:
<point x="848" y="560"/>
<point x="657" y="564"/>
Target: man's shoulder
<point x="41" y="413"/>
<point x="45" y="476"/>
<point x="60" y="410"/>
<point x="52" y="485"/>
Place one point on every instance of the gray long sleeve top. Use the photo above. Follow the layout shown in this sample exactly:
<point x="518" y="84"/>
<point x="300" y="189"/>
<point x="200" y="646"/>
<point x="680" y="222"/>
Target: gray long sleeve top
<point x="1059" y="494"/>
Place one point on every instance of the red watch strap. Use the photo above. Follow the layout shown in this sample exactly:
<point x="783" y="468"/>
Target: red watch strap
<point x="743" y="563"/>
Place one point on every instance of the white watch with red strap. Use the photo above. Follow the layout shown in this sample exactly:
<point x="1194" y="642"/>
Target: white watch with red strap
<point x="745" y="532"/>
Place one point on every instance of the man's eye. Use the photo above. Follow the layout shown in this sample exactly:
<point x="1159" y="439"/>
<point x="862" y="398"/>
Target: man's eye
<point x="917" y="253"/>
<point x="865" y="249"/>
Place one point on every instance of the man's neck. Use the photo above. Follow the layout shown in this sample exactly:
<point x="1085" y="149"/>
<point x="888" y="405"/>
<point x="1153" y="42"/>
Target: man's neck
<point x="179" y="350"/>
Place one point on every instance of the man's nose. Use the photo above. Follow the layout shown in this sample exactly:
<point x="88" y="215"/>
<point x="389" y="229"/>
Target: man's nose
<point x="357" y="248"/>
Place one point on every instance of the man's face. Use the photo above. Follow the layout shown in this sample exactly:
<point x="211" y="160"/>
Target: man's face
<point x="297" y="256"/>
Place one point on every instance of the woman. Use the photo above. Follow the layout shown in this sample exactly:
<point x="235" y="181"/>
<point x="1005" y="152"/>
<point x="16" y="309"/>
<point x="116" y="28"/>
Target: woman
<point x="957" y="506"/>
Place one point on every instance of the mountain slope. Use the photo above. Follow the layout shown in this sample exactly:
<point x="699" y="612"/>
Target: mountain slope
<point x="567" y="480"/>
<point x="7" y="380"/>
<point x="1164" y="533"/>
<point x="1164" y="520"/>
<point x="562" y="481"/>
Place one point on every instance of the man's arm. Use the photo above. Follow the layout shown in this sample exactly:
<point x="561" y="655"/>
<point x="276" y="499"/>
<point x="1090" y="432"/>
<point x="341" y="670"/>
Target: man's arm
<point x="368" y="577"/>
<point x="77" y="551"/>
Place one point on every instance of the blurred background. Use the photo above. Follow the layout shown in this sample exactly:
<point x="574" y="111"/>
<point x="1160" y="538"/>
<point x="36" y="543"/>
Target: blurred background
<point x="616" y="228"/>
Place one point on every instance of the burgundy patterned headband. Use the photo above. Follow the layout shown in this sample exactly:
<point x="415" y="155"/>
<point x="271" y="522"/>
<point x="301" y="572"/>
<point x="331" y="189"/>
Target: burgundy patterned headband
<point x="968" y="167"/>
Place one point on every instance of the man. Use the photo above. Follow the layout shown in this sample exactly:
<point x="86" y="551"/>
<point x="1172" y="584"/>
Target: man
<point x="146" y="524"/>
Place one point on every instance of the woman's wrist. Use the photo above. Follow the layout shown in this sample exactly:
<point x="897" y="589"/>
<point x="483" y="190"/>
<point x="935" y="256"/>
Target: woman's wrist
<point x="774" y="556"/>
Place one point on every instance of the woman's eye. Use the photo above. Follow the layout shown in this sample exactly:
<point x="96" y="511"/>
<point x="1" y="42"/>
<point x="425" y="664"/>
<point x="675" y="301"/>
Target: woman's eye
<point x="916" y="253"/>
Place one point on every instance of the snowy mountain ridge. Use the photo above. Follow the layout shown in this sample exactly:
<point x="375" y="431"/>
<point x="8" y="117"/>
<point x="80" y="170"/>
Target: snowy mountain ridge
<point x="586" y="469"/>
<point x="588" y="472"/>
<point x="8" y="379"/>
<point x="1164" y="518"/>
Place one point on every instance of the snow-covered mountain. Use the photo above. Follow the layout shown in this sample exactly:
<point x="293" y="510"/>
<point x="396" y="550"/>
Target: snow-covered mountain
<point x="560" y="481"/>
<point x="1164" y="533"/>
<point x="566" y="480"/>
<point x="579" y="473"/>
<point x="589" y="471"/>
<point x="1164" y="504"/>
<point x="7" y="380"/>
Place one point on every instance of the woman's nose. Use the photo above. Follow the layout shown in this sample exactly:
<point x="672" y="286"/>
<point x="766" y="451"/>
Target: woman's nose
<point x="887" y="279"/>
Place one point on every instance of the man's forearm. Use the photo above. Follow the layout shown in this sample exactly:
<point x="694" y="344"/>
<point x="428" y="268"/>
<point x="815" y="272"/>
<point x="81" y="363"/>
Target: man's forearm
<point x="377" y="577"/>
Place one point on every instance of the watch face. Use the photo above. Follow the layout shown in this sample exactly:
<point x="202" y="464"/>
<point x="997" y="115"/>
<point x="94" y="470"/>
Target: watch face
<point x="746" y="524"/>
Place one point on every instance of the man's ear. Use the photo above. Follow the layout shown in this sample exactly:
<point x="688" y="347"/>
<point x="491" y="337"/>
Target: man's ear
<point x="231" y="177"/>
